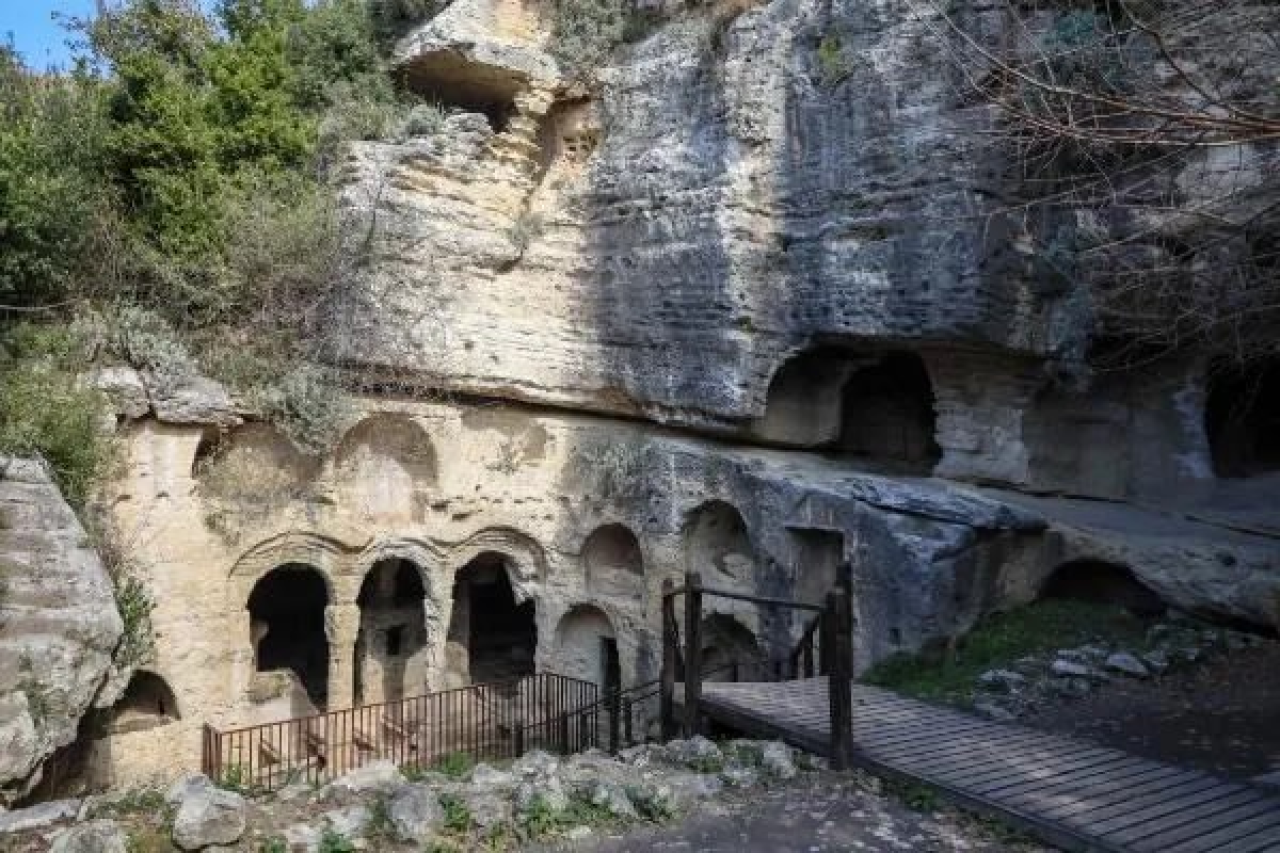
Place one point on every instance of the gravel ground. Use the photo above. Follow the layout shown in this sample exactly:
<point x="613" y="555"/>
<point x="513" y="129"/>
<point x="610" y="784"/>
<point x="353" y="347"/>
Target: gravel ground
<point x="821" y="813"/>
<point x="1222" y="717"/>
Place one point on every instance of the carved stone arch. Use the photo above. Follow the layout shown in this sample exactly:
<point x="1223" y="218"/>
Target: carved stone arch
<point x="330" y="557"/>
<point x="385" y="469"/>
<point x="718" y="545"/>
<point x="148" y="702"/>
<point x="525" y="559"/>
<point x="613" y="561"/>
<point x="585" y="644"/>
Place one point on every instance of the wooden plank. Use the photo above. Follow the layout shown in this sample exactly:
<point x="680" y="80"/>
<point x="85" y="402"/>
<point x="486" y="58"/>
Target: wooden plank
<point x="962" y="746"/>
<point x="1149" y="794"/>
<point x="1158" y="835"/>
<point x="1087" y="779"/>
<point x="1174" y="807"/>
<point x="1030" y="778"/>
<point x="1001" y="770"/>
<point x="1264" y="841"/>
<point x="1235" y="832"/>
<point x="1129" y="792"/>
<point x="1097" y="791"/>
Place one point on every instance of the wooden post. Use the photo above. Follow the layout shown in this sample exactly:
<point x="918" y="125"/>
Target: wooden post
<point x="840" y="678"/>
<point x="562" y="727"/>
<point x="666" y="702"/>
<point x="808" y="654"/>
<point x="692" y="652"/>
<point x="519" y="740"/>
<point x="734" y="674"/>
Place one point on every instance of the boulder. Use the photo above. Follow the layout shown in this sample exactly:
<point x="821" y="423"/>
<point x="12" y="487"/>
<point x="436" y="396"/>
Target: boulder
<point x="209" y="816"/>
<point x="38" y="816"/>
<point x="60" y="625"/>
<point x="95" y="836"/>
<point x="697" y="751"/>
<point x="349" y="822"/>
<point x="193" y="400"/>
<point x="1127" y="663"/>
<point x="124" y="388"/>
<point x="374" y="777"/>
<point x="487" y="776"/>
<point x="548" y="790"/>
<point x="535" y="763"/>
<point x="415" y="813"/>
<point x="777" y="760"/>
<point x="613" y="798"/>
<point x="188" y="786"/>
<point x="488" y="810"/>
<point x="1003" y="680"/>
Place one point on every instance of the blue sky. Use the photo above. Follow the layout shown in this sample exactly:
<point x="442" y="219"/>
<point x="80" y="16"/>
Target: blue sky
<point x="39" y="38"/>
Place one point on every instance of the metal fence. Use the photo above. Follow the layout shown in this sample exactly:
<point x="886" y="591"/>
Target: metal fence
<point x="484" y="721"/>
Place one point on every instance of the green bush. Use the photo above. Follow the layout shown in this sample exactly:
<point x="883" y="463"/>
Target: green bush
<point x="423" y="120"/>
<point x="309" y="406"/>
<point x="583" y="32"/>
<point x="45" y="412"/>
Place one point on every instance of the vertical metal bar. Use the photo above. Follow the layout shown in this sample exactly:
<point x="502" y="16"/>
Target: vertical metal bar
<point x="692" y="652"/>
<point x="666" y="702"/>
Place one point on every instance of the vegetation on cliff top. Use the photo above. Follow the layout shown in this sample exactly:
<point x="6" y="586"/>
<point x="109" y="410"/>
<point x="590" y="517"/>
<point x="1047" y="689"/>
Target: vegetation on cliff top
<point x="167" y="203"/>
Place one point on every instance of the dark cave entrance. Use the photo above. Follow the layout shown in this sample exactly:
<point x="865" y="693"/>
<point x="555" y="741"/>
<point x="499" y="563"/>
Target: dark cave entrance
<point x="500" y="635"/>
<point x="1098" y="582"/>
<point x="1242" y="418"/>
<point x="393" y="633"/>
<point x="286" y="609"/>
<point x="887" y="413"/>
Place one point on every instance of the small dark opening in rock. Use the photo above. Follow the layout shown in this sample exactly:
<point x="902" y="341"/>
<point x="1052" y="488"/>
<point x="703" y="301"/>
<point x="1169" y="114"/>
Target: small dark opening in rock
<point x="287" y="605"/>
<point x="458" y="84"/>
<point x="1242" y="418"/>
<point x="501" y="635"/>
<point x="1103" y="583"/>
<point x="888" y="413"/>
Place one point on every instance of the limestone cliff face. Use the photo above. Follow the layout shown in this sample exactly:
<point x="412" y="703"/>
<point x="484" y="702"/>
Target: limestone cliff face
<point x="58" y="623"/>
<point x="720" y="203"/>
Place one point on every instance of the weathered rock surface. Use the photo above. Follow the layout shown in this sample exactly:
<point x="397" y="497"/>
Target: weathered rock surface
<point x="415" y="813"/>
<point x="38" y="816"/>
<point x="193" y="400"/>
<point x="95" y="836"/>
<point x="209" y="816"/>
<point x="58" y="623"/>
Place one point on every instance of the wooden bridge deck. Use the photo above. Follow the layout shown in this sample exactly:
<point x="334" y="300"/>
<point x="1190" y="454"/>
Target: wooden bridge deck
<point x="1070" y="794"/>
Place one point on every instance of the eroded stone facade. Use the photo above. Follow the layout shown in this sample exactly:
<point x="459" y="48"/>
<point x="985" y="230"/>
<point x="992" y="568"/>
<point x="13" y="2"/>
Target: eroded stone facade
<point x="713" y="315"/>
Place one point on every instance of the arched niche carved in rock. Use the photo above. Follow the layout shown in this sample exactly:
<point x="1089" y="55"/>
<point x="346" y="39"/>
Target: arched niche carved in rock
<point x="877" y="406"/>
<point x="253" y="465"/>
<point x="391" y="655"/>
<point x="1242" y="418"/>
<point x="148" y="702"/>
<point x="385" y="469"/>
<point x="718" y="546"/>
<point x="613" y="562"/>
<point x="492" y="636"/>
<point x="586" y="647"/>
<point x="287" y="625"/>
<point x="1101" y="582"/>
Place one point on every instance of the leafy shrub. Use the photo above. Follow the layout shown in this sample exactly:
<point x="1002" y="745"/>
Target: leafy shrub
<point x="146" y="341"/>
<point x="423" y="120"/>
<point x="335" y="842"/>
<point x="455" y="765"/>
<point x="585" y="31"/>
<point x="309" y="406"/>
<point x="393" y="18"/>
<point x="833" y="61"/>
<point x="457" y="817"/>
<point x="45" y="412"/>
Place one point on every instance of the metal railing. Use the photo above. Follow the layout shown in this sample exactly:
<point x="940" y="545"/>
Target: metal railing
<point x="831" y="632"/>
<point x="484" y="721"/>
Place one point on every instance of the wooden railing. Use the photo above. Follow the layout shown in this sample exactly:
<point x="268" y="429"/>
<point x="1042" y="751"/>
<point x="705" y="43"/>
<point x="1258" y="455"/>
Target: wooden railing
<point x="831" y="631"/>
<point x="483" y="721"/>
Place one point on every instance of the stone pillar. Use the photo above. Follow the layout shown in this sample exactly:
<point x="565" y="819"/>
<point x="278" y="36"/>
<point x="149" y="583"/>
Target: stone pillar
<point x="341" y="624"/>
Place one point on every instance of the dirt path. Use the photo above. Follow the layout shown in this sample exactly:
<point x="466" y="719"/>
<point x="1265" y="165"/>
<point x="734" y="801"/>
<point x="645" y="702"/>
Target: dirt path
<point x="822" y="814"/>
<point x="1222" y="717"/>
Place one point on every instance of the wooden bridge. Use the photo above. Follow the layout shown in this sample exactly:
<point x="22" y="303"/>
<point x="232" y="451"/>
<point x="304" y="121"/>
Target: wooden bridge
<point x="1071" y="794"/>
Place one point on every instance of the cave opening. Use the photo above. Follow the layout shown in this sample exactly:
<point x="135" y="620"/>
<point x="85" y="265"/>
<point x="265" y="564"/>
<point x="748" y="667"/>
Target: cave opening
<point x="496" y="635"/>
<point x="613" y="561"/>
<point x="1098" y="582"/>
<point x="887" y="413"/>
<point x="148" y="702"/>
<point x="390" y="660"/>
<point x="1242" y="418"/>
<point x="456" y="84"/>
<point x="286" y="610"/>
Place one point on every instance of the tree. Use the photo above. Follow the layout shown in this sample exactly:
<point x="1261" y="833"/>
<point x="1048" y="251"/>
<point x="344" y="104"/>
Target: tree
<point x="1146" y="139"/>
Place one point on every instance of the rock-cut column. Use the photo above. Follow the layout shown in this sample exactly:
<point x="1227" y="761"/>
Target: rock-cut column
<point x="341" y="624"/>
